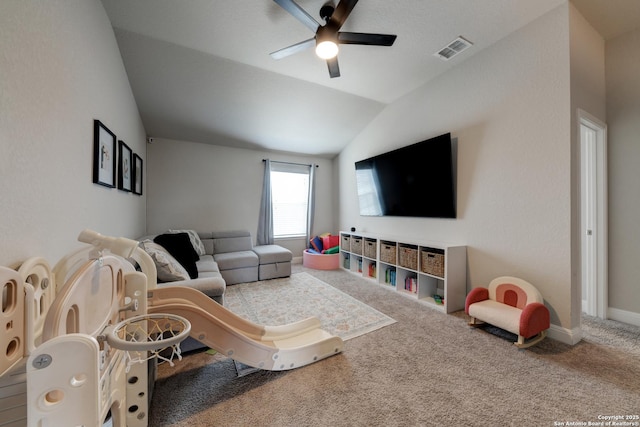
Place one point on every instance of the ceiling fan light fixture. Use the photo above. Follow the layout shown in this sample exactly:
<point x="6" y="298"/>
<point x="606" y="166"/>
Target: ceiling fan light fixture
<point x="328" y="36"/>
<point x="327" y="49"/>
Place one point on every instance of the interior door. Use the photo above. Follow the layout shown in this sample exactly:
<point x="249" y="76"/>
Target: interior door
<point x="593" y="219"/>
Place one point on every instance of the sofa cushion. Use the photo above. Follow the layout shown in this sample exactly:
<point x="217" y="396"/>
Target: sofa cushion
<point x="206" y="264"/>
<point x="179" y="245"/>
<point x="231" y="241"/>
<point x="207" y="241"/>
<point x="229" y="234"/>
<point x="498" y="314"/>
<point x="211" y="284"/>
<point x="270" y="254"/>
<point x="232" y="260"/>
<point x="168" y="269"/>
<point x="240" y="275"/>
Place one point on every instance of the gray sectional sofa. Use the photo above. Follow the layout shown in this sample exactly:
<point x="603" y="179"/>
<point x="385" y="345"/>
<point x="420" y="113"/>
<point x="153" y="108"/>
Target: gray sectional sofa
<point x="229" y="257"/>
<point x="239" y="261"/>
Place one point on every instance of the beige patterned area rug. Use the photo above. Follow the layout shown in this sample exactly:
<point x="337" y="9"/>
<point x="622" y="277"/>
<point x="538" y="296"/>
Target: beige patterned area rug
<point x="287" y="300"/>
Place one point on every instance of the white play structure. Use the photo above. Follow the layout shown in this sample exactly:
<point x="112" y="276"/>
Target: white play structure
<point x="75" y="337"/>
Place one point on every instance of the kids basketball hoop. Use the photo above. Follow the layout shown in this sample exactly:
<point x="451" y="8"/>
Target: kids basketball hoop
<point x="145" y="337"/>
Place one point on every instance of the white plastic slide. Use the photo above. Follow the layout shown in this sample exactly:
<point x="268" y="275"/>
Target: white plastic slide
<point x="273" y="348"/>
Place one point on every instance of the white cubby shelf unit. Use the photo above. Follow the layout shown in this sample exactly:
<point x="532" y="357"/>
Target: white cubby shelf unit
<point x="433" y="273"/>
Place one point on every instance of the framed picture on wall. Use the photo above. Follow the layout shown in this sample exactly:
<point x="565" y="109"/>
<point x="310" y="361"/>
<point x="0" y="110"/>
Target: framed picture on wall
<point x="104" y="155"/>
<point x="125" y="174"/>
<point x="137" y="175"/>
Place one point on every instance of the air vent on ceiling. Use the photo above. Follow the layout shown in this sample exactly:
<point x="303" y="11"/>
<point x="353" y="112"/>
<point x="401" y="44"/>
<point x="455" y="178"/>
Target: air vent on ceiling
<point x="453" y="48"/>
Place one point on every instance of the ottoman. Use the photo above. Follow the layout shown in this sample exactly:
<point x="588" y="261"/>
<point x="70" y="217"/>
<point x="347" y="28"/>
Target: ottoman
<point x="274" y="261"/>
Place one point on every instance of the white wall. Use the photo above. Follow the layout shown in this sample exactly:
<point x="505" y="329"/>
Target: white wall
<point x="588" y="93"/>
<point x="623" y="119"/>
<point x="509" y="107"/>
<point x="60" y="69"/>
<point x="216" y="188"/>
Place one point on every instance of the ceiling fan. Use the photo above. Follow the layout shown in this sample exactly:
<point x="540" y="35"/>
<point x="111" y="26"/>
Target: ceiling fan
<point x="328" y="36"/>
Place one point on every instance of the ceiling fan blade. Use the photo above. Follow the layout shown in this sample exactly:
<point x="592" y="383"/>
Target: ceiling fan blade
<point x="334" y="69"/>
<point x="299" y="13"/>
<point x="343" y="9"/>
<point x="366" y="38"/>
<point x="295" y="48"/>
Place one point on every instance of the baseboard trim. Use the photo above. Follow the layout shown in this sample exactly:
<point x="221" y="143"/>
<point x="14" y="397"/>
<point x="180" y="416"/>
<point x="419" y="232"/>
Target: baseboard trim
<point x="564" y="335"/>
<point x="573" y="336"/>
<point x="623" y="316"/>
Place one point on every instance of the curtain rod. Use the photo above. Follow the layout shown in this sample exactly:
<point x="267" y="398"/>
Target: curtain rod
<point x="290" y="163"/>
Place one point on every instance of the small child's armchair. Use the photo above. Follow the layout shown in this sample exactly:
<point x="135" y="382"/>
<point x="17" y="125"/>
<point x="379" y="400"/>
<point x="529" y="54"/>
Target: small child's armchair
<point x="511" y="304"/>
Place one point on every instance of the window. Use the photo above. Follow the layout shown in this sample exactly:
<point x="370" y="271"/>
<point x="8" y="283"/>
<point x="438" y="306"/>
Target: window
<point x="289" y="199"/>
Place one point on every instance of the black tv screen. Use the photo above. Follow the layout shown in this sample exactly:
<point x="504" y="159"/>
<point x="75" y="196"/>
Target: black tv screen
<point x="414" y="181"/>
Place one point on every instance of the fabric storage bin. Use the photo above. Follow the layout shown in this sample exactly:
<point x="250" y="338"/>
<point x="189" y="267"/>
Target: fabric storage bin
<point x="388" y="252"/>
<point x="345" y="243"/>
<point x="432" y="261"/>
<point x="356" y="245"/>
<point x="370" y="248"/>
<point x="408" y="256"/>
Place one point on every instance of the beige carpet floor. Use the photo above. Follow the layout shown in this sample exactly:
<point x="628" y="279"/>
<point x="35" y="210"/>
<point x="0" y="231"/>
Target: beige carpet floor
<point x="427" y="369"/>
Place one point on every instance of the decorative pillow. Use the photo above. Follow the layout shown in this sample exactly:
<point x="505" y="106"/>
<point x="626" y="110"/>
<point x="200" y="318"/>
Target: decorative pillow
<point x="168" y="268"/>
<point x="179" y="245"/>
<point x="316" y="243"/>
<point x="195" y="240"/>
<point x="329" y="242"/>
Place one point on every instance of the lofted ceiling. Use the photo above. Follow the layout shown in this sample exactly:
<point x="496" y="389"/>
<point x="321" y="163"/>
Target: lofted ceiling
<point x="200" y="70"/>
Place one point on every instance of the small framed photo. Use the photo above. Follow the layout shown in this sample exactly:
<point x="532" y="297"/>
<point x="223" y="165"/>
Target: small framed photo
<point x="137" y="175"/>
<point x="104" y="155"/>
<point x="125" y="173"/>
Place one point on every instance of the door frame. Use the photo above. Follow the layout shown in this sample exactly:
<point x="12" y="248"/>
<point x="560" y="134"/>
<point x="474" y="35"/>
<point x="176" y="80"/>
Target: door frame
<point x="594" y="236"/>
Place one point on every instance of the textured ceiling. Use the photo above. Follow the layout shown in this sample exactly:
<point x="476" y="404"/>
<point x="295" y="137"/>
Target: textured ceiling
<point x="201" y="71"/>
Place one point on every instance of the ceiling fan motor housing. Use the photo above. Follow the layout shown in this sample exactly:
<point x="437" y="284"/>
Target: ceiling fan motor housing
<point x="328" y="36"/>
<point x="327" y="10"/>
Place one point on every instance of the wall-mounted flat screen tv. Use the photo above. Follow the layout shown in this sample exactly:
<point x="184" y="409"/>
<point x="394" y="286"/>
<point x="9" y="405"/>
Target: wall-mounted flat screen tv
<point x="413" y="181"/>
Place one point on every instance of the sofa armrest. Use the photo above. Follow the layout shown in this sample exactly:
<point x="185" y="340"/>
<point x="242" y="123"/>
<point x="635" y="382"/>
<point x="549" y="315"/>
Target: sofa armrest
<point x="534" y="319"/>
<point x="476" y="295"/>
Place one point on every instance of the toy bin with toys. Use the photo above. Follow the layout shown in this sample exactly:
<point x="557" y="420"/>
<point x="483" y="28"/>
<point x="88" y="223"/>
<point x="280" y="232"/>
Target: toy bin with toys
<point x="323" y="253"/>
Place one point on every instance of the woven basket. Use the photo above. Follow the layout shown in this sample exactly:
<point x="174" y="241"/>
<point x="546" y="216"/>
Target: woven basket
<point x="356" y="245"/>
<point x="408" y="257"/>
<point x="388" y="252"/>
<point x="370" y="248"/>
<point x="432" y="261"/>
<point x="345" y="243"/>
